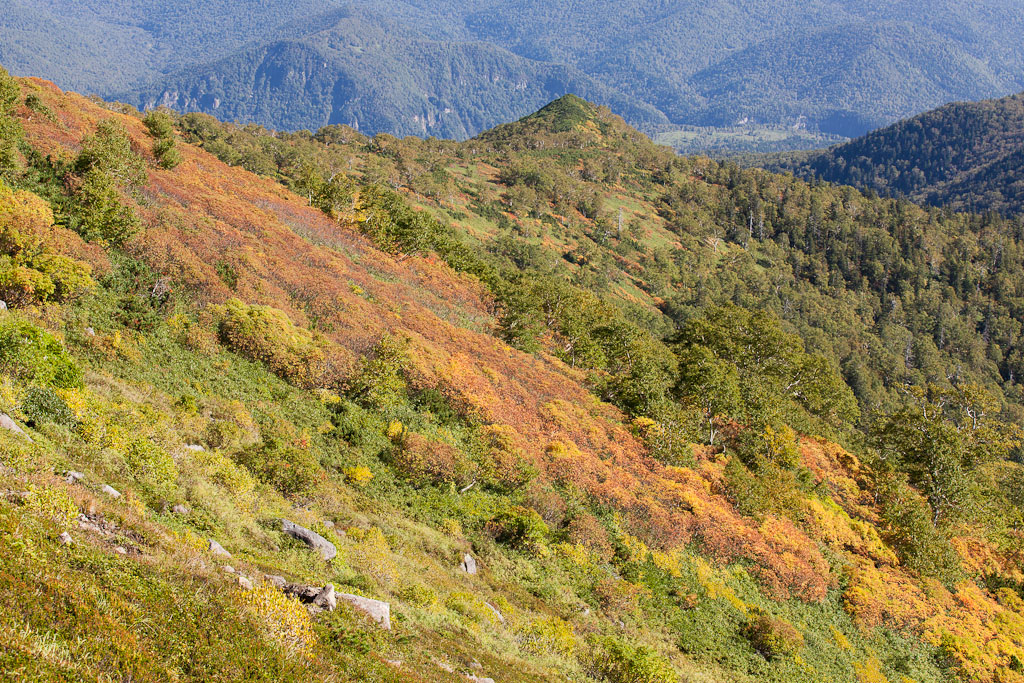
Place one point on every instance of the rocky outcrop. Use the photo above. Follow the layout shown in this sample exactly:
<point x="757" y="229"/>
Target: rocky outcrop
<point x="310" y="538"/>
<point x="377" y="610"/>
<point x="218" y="549"/>
<point x="10" y="425"/>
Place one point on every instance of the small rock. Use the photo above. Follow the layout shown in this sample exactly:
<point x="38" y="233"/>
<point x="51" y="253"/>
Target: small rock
<point x="397" y="663"/>
<point x="90" y="332"/>
<point x="444" y="666"/>
<point x="73" y="477"/>
<point x="228" y="569"/>
<point x="310" y="538"/>
<point x="3" y="305"/>
<point x="468" y="564"/>
<point x="10" y="425"/>
<point x="244" y="582"/>
<point x="477" y="679"/>
<point x="476" y="665"/>
<point x="121" y="550"/>
<point x="218" y="549"/>
<point x="275" y="580"/>
<point x="110" y="491"/>
<point x="326" y="600"/>
<point x="377" y="610"/>
<point x="64" y="538"/>
<point x="195" y="447"/>
<point x="180" y="509"/>
<point x="329" y="524"/>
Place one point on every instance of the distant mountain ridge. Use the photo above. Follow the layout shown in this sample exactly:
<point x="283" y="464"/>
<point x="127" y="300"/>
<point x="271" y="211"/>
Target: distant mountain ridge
<point x="454" y="68"/>
<point x="355" y="72"/>
<point x="966" y="155"/>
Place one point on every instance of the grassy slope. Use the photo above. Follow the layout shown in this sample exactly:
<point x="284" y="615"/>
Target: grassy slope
<point x="686" y="573"/>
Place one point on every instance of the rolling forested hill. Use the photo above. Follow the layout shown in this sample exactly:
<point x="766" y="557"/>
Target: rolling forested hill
<point x="453" y="68"/>
<point x="966" y="156"/>
<point x="565" y="406"/>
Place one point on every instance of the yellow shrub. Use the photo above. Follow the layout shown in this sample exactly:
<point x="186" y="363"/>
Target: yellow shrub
<point x="53" y="503"/>
<point x="550" y="635"/>
<point x="870" y="671"/>
<point x="359" y="476"/>
<point x="451" y="527"/>
<point x="372" y="556"/>
<point x="31" y="270"/>
<point x="282" y="618"/>
<point x="841" y="639"/>
<point x="395" y="429"/>
<point x="420" y="595"/>
<point x="266" y="335"/>
<point x="221" y="470"/>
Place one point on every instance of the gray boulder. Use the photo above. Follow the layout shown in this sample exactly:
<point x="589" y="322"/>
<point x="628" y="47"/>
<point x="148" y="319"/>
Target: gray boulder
<point x="73" y="477"/>
<point x="65" y="538"/>
<point x="377" y="610"/>
<point x="196" y="448"/>
<point x="276" y="581"/>
<point x="110" y="491"/>
<point x="244" y="582"/>
<point x="10" y="425"/>
<point x="310" y="538"/>
<point x="218" y="549"/>
<point x="180" y="509"/>
<point x="326" y="600"/>
<point x="468" y="564"/>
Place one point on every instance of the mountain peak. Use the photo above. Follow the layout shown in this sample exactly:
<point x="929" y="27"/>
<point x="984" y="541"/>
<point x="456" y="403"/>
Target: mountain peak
<point x="565" y="113"/>
<point x="568" y="117"/>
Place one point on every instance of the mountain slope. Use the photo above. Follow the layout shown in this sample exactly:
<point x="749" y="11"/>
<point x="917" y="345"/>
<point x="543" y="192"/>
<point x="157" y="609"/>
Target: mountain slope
<point x="964" y="155"/>
<point x="509" y="356"/>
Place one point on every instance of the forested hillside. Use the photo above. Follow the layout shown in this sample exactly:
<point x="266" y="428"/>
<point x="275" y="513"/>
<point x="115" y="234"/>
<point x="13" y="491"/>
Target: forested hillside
<point x="966" y="156"/>
<point x="453" y="69"/>
<point x="557" y="404"/>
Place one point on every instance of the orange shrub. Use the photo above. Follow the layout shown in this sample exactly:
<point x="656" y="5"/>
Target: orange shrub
<point x="586" y="530"/>
<point x="428" y="461"/>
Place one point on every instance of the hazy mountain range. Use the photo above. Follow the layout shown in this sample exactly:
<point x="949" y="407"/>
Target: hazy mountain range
<point x="453" y="68"/>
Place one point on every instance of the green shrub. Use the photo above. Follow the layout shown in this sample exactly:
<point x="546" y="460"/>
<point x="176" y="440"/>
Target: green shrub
<point x="42" y="404"/>
<point x="150" y="465"/>
<point x="291" y="470"/>
<point x="619" y="662"/>
<point x="159" y="123"/>
<point x="102" y="216"/>
<point x="379" y="378"/>
<point x="109" y="153"/>
<point x="34" y="356"/>
<point x="520" y="527"/>
<point x="911" y="531"/>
